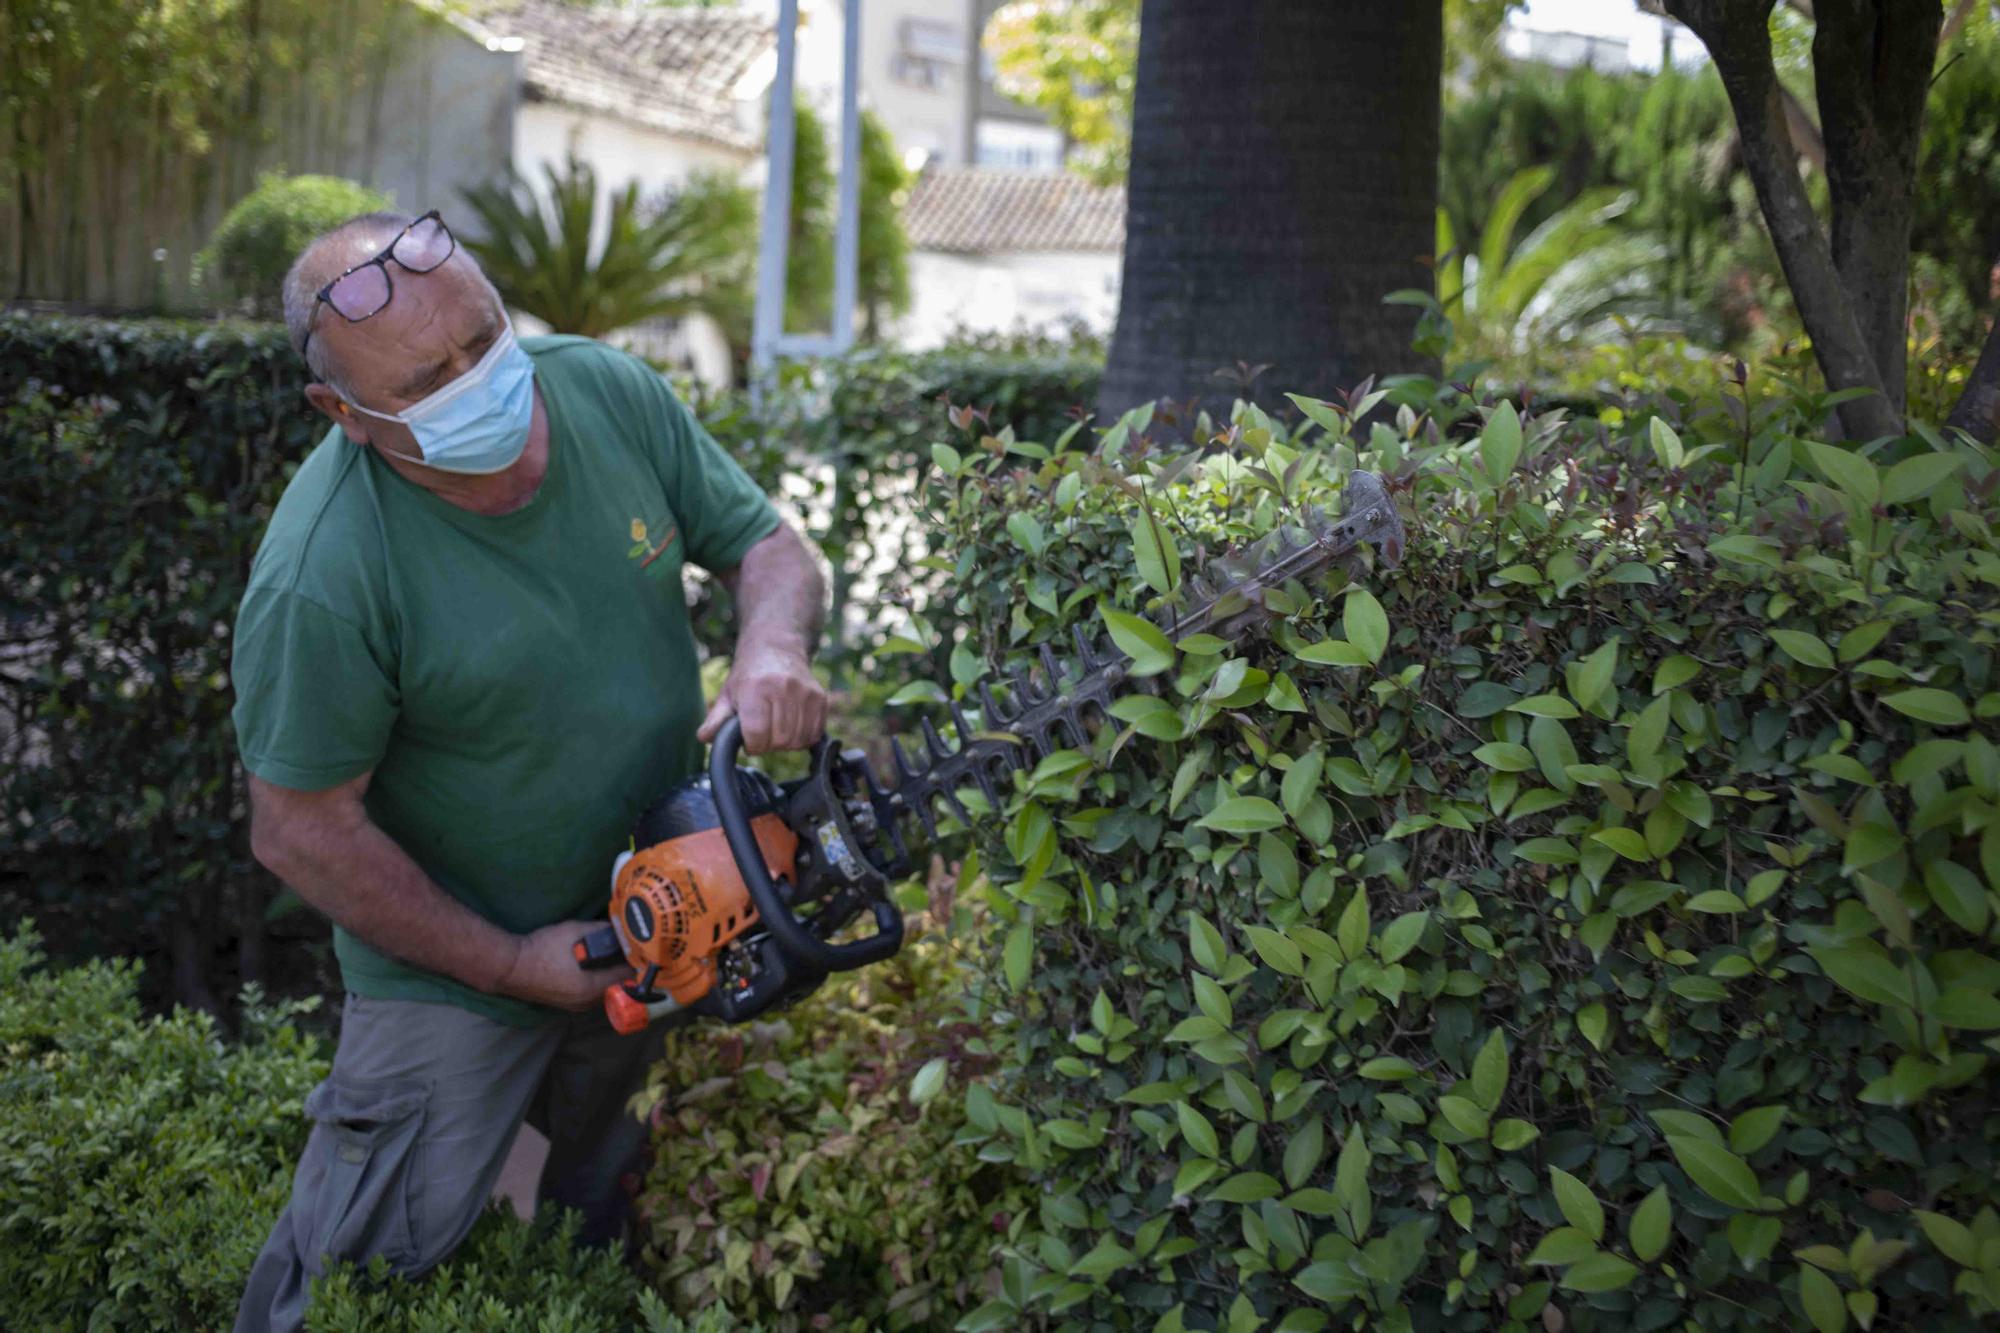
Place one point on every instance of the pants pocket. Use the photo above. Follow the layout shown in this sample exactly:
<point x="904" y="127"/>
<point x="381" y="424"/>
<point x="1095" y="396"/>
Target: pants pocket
<point x="367" y="1142"/>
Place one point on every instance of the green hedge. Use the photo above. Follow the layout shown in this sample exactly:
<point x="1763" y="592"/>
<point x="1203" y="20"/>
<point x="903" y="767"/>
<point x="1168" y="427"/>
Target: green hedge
<point x="1588" y="924"/>
<point x="143" y="459"/>
<point x="863" y="426"/>
<point x="143" y="1161"/>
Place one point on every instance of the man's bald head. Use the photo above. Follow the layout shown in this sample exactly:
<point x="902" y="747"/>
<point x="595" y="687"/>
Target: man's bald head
<point x="435" y="326"/>
<point x="324" y="259"/>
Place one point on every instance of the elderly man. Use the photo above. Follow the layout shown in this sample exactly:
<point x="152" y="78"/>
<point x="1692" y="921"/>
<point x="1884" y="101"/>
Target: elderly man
<point x="463" y="666"/>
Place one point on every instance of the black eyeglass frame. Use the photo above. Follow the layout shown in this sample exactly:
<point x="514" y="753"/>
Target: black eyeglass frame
<point x="381" y="260"/>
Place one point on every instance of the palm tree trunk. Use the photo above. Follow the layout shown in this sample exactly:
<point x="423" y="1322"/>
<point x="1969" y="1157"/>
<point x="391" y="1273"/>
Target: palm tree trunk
<point x="1283" y="181"/>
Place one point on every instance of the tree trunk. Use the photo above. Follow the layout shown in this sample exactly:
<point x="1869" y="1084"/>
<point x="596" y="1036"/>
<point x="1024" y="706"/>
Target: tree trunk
<point x="188" y="941"/>
<point x="1738" y="37"/>
<point x="1978" y="409"/>
<point x="1283" y="181"/>
<point x="1872" y="64"/>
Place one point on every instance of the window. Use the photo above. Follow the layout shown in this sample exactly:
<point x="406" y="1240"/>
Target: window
<point x="917" y="73"/>
<point x="927" y="51"/>
<point x="1012" y="146"/>
<point x="931" y="39"/>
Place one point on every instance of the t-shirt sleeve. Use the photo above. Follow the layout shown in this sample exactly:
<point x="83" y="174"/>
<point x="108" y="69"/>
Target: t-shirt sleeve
<point x="314" y="704"/>
<point x="721" y="511"/>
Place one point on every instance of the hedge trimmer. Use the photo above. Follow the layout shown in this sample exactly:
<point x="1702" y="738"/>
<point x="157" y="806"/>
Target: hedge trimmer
<point x="738" y="886"/>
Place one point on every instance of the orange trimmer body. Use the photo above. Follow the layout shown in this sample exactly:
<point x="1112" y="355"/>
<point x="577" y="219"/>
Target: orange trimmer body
<point x="676" y="906"/>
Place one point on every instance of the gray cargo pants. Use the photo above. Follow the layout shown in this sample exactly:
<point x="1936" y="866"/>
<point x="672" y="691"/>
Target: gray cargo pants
<point x="412" y="1126"/>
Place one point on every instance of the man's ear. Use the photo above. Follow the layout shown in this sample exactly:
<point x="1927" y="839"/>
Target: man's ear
<point x="329" y="405"/>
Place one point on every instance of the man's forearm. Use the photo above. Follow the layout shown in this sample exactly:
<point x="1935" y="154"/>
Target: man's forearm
<point x="780" y="604"/>
<point x="357" y="875"/>
<point x="780" y="596"/>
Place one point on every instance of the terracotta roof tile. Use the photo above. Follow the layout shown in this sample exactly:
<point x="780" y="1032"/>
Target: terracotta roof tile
<point x="974" y="210"/>
<point x="668" y="69"/>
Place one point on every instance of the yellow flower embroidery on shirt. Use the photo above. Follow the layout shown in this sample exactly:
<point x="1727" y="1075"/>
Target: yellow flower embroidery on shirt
<point x="643" y="546"/>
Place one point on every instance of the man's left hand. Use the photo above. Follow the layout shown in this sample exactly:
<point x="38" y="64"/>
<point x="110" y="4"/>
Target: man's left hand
<point x="771" y="688"/>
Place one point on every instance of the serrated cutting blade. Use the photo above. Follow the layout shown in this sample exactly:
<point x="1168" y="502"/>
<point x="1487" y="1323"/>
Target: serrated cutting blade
<point x="1051" y="703"/>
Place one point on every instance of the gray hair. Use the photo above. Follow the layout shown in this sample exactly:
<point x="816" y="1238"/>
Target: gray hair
<point x="320" y="263"/>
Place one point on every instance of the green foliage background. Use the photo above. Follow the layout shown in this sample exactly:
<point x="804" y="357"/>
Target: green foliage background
<point x="809" y="240"/>
<point x="1669" y="139"/>
<point x="244" y="263"/>
<point x="142" y="462"/>
<point x="1596" y="911"/>
<point x="882" y="261"/>
<point x="125" y="123"/>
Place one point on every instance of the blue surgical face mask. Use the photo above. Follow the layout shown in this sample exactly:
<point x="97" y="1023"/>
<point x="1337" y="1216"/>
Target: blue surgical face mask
<point x="478" y="423"/>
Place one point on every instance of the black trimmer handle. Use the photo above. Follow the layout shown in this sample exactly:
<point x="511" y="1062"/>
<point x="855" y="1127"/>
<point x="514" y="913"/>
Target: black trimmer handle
<point x="600" y="948"/>
<point x="807" y="951"/>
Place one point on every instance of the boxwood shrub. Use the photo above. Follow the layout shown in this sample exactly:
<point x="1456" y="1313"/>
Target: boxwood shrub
<point x="143" y="1161"/>
<point x="1589" y="923"/>
<point x="246" y="258"/>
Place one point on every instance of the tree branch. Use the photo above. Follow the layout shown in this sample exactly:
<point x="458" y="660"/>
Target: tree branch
<point x="1978" y="409"/>
<point x="1738" y="39"/>
<point x="1955" y="21"/>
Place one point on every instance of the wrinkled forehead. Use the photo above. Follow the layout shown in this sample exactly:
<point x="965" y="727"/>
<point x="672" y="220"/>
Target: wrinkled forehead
<point x="428" y="315"/>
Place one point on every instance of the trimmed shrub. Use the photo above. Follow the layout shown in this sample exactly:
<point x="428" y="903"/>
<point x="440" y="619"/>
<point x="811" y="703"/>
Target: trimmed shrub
<point x="244" y="263"/>
<point x="803" y="1170"/>
<point x="1590" y="923"/>
<point x="506" y="1277"/>
<point x="143" y="1161"/>
<point x="142" y="460"/>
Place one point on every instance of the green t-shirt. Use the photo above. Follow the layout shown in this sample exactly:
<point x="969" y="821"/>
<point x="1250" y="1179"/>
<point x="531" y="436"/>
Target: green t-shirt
<point x="522" y="685"/>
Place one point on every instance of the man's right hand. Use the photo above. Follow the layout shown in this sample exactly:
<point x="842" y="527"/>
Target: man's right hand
<point x="545" y="970"/>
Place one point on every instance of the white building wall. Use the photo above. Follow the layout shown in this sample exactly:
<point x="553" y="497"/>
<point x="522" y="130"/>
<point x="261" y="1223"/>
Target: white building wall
<point x="546" y="132"/>
<point x="621" y="152"/>
<point x="918" y="91"/>
<point x="953" y="293"/>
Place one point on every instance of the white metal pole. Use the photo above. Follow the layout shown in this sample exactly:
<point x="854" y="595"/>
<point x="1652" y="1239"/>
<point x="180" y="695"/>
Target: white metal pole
<point x="769" y="323"/>
<point x="847" y="233"/>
